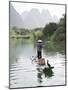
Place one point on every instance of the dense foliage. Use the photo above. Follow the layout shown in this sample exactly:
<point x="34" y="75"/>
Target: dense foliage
<point x="60" y="34"/>
<point x="49" y="29"/>
<point x="54" y="32"/>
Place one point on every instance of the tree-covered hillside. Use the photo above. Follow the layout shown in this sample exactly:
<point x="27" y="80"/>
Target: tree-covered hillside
<point x="55" y="31"/>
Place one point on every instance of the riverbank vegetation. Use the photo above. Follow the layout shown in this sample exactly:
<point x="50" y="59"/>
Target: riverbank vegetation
<point x="55" y="31"/>
<point x="52" y="32"/>
<point x="53" y="35"/>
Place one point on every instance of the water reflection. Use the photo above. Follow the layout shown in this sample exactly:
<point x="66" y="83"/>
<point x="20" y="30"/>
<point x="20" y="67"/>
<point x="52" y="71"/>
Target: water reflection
<point x="25" y="74"/>
<point x="47" y="72"/>
<point x="52" y="47"/>
<point x="39" y="75"/>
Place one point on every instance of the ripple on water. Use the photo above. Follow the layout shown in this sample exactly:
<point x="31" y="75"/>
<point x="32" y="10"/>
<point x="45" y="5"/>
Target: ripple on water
<point x="24" y="74"/>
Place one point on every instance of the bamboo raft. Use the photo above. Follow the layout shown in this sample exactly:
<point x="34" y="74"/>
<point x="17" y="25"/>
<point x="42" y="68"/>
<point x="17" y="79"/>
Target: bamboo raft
<point x="42" y="62"/>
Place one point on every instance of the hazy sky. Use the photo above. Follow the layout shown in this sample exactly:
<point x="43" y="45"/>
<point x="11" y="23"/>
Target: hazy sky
<point x="55" y="10"/>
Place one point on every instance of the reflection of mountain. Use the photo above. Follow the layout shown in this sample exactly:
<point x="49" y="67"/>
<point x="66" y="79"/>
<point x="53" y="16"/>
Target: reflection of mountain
<point x="34" y="18"/>
<point x="15" y="18"/>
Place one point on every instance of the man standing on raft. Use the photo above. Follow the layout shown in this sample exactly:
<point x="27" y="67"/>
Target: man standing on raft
<point x="41" y="61"/>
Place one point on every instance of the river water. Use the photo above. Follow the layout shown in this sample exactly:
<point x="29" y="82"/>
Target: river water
<point x="24" y="73"/>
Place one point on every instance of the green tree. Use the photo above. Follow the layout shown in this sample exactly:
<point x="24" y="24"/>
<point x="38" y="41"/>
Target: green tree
<point x="49" y="30"/>
<point x="38" y="35"/>
<point x="60" y="33"/>
<point x="62" y="21"/>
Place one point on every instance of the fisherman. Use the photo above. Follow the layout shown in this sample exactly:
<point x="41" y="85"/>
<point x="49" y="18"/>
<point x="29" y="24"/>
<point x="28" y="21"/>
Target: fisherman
<point x="39" y="49"/>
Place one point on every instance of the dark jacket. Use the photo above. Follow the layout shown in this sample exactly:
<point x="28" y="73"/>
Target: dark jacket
<point x="39" y="46"/>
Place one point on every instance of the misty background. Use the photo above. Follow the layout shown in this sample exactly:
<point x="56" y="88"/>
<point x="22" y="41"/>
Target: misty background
<point x="32" y="18"/>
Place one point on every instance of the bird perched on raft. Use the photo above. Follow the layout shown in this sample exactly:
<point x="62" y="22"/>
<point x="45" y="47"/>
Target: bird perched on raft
<point x="48" y="64"/>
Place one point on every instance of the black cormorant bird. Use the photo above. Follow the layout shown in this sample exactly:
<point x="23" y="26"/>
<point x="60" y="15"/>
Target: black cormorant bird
<point x="48" y="64"/>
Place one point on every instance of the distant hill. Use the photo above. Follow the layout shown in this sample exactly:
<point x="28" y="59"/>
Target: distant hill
<point x="30" y="19"/>
<point x="34" y="18"/>
<point x="15" y="18"/>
